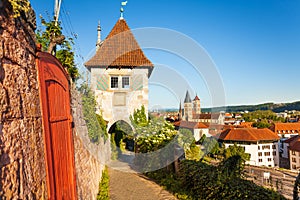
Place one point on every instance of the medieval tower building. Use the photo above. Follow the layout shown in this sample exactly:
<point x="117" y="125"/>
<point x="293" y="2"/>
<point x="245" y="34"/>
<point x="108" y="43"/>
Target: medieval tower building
<point x="119" y="74"/>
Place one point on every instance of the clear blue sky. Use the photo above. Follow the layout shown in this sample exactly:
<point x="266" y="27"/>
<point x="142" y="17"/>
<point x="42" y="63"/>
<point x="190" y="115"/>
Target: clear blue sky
<point x="255" y="44"/>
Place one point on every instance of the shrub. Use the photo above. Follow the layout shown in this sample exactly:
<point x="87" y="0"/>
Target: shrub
<point x="103" y="193"/>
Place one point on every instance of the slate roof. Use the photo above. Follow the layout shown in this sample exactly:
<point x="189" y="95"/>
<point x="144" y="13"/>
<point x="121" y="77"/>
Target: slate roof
<point x="248" y="134"/>
<point x="119" y="50"/>
<point x="187" y="97"/>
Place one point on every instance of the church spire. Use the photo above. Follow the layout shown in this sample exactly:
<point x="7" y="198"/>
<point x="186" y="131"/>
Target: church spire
<point x="99" y="36"/>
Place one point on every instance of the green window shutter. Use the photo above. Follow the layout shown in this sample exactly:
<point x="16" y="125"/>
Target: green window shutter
<point x="103" y="82"/>
<point x="137" y="82"/>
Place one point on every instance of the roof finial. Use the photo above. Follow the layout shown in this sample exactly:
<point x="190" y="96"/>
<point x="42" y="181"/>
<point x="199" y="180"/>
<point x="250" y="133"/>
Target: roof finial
<point x="99" y="35"/>
<point x="123" y="3"/>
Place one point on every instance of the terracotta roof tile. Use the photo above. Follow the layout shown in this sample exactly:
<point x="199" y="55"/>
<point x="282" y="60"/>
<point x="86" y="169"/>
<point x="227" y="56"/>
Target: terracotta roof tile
<point x="286" y="127"/>
<point x="248" y="134"/>
<point x="196" y="98"/>
<point x="119" y="50"/>
<point x="190" y="125"/>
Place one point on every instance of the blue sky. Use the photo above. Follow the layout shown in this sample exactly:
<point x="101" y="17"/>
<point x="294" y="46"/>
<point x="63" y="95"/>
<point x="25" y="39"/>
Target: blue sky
<point x="254" y="44"/>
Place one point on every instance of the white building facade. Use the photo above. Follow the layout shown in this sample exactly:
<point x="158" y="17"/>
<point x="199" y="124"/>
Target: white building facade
<point x="261" y="144"/>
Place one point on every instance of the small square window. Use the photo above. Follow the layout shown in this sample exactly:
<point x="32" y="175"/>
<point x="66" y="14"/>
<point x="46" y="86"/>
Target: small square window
<point x="125" y="82"/>
<point x="114" y="82"/>
<point x="259" y="153"/>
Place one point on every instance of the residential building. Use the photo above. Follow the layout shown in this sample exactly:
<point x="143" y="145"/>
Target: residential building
<point x="293" y="152"/>
<point x="285" y="131"/>
<point x="261" y="144"/>
<point x="198" y="129"/>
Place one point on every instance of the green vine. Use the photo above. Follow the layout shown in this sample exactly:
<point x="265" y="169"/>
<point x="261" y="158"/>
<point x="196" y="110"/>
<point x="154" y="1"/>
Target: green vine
<point x="19" y="6"/>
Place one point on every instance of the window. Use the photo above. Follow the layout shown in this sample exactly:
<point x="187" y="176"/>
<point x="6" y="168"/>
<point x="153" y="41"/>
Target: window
<point x="293" y="153"/>
<point x="114" y="82"/>
<point x="259" y="160"/>
<point x="294" y="167"/>
<point x="125" y="82"/>
<point x="273" y="146"/>
<point x="259" y="153"/>
<point x="293" y="159"/>
<point x="274" y="153"/>
<point x="266" y="147"/>
<point x="258" y="147"/>
<point x="269" y="159"/>
<point x="267" y="153"/>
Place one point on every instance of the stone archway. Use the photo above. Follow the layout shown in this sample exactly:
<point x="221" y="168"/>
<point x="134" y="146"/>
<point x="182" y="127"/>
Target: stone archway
<point x="122" y="133"/>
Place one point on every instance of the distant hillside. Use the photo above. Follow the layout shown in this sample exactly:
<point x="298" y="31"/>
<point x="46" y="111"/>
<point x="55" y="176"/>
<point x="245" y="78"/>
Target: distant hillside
<point x="266" y="106"/>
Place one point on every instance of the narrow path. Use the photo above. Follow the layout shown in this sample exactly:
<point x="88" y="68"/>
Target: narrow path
<point x="131" y="186"/>
<point x="126" y="184"/>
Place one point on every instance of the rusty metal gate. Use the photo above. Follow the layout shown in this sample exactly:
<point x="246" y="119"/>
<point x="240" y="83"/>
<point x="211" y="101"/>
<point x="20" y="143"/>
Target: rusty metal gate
<point x="55" y="98"/>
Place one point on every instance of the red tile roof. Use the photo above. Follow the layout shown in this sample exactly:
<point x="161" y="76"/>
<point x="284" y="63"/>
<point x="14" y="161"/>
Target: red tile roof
<point x="246" y="124"/>
<point x="119" y="50"/>
<point x="196" y="98"/>
<point x="294" y="143"/>
<point x="286" y="127"/>
<point x="190" y="125"/>
<point x="248" y="134"/>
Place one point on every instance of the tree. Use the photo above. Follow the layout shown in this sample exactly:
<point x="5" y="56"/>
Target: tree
<point x="186" y="140"/>
<point x="139" y="117"/>
<point x="52" y="36"/>
<point x="234" y="160"/>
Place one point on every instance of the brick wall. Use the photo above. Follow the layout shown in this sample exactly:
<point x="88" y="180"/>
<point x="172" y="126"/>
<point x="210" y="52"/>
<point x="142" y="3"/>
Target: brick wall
<point x="22" y="164"/>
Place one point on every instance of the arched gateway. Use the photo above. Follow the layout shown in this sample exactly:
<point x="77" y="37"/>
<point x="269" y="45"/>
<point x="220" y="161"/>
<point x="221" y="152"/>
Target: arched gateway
<point x="119" y="74"/>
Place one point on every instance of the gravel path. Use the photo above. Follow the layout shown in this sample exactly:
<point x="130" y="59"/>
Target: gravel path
<point x="131" y="186"/>
<point x="126" y="184"/>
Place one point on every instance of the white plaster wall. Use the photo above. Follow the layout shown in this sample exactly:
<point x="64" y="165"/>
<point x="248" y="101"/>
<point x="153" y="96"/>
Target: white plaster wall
<point x="199" y="132"/>
<point x="134" y="98"/>
<point x="253" y="151"/>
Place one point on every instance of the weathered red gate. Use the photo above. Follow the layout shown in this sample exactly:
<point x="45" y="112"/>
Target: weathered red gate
<point x="55" y="97"/>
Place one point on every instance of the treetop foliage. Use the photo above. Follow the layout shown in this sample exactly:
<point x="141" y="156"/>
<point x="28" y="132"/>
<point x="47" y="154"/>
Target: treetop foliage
<point x="51" y="36"/>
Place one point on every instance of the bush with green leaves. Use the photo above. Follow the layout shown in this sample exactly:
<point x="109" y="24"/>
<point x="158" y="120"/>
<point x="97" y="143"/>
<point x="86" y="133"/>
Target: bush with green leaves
<point x="95" y="123"/>
<point x="103" y="193"/>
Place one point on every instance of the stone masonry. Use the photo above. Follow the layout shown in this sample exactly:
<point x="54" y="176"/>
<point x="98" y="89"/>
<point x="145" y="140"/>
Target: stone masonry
<point x="22" y="164"/>
<point x="90" y="158"/>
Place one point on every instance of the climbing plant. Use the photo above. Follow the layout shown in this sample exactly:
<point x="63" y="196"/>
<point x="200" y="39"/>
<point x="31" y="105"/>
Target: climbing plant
<point x="95" y="123"/>
<point x="19" y="6"/>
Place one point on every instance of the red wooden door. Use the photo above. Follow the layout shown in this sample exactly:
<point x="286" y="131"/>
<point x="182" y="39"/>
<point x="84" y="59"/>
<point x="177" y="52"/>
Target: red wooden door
<point x="55" y="98"/>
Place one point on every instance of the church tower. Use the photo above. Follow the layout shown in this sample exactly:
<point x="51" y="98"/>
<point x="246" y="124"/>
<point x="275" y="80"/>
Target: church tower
<point x="188" y="115"/>
<point x="119" y="74"/>
<point x="196" y="105"/>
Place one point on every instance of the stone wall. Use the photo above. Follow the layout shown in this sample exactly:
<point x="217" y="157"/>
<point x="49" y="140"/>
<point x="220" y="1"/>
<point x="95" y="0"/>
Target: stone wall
<point x="22" y="164"/>
<point x="281" y="180"/>
<point x="90" y="158"/>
